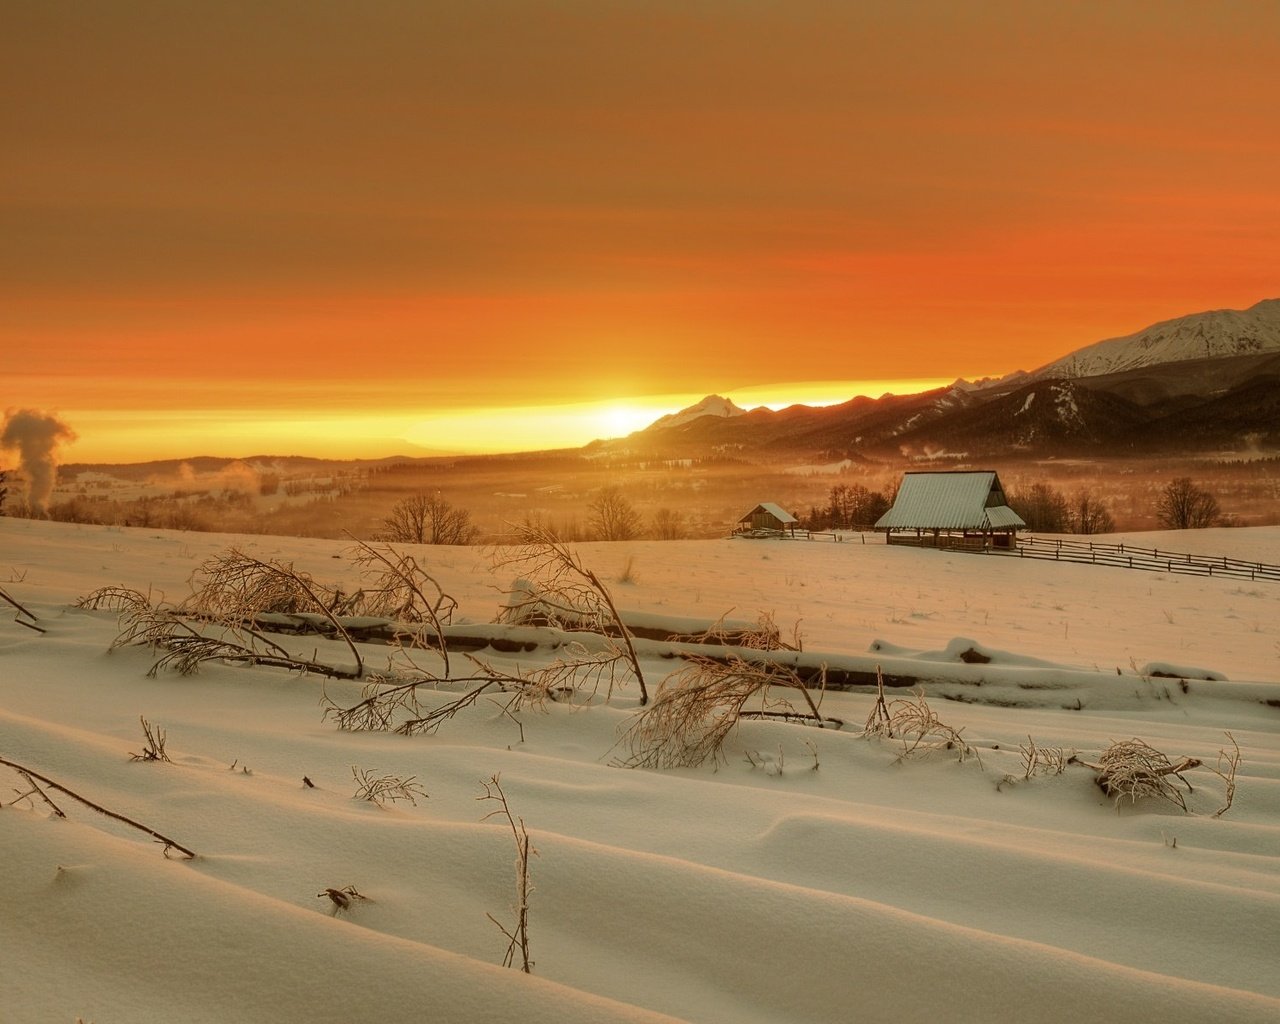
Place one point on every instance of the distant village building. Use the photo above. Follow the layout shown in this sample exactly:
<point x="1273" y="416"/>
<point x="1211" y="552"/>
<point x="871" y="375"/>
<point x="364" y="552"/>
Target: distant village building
<point x="767" y="520"/>
<point x="951" y="510"/>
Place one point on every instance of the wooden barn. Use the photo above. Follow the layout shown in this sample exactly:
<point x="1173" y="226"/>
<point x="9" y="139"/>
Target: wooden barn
<point x="767" y="520"/>
<point x="952" y="510"/>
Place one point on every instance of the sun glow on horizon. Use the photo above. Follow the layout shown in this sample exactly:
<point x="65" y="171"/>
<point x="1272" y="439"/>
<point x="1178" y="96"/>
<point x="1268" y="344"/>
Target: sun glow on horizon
<point x="308" y="429"/>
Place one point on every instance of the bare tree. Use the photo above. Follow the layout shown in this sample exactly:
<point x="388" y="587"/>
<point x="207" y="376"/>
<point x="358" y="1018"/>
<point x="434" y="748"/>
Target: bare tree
<point x="428" y="519"/>
<point x="668" y="524"/>
<point x="854" y="506"/>
<point x="1043" y="508"/>
<point x="613" y="517"/>
<point x="1090" y="515"/>
<point x="1184" y="506"/>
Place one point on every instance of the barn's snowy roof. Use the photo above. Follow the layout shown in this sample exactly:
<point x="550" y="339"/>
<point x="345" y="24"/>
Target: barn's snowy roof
<point x="777" y="511"/>
<point x="950" y="501"/>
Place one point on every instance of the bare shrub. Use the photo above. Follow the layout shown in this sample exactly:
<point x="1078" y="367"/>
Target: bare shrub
<point x="916" y="724"/>
<point x="236" y="588"/>
<point x="400" y="589"/>
<point x="235" y="584"/>
<point x="384" y="789"/>
<point x="1037" y="760"/>
<point x="116" y="599"/>
<point x="153" y="749"/>
<point x="559" y="578"/>
<point x="697" y="708"/>
<point x="1135" y="769"/>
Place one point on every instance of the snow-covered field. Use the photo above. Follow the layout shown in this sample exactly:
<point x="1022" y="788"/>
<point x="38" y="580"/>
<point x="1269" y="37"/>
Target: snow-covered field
<point x="811" y="875"/>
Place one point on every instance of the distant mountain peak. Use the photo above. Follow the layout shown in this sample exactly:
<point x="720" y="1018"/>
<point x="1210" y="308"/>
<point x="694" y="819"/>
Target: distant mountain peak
<point x="1215" y="334"/>
<point x="712" y="405"/>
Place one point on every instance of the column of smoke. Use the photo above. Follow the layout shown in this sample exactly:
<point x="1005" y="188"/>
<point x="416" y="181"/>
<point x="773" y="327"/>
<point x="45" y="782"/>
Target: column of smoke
<point x="36" y="435"/>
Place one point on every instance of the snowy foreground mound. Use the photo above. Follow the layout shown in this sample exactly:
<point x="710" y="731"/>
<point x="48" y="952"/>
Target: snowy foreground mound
<point x="809" y="875"/>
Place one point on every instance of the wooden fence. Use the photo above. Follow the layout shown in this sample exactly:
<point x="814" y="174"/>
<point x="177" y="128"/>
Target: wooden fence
<point x="1127" y="556"/>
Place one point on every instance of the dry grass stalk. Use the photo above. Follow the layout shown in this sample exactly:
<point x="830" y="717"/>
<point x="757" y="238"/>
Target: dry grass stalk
<point x="518" y="934"/>
<point x="697" y="708"/>
<point x="559" y="577"/>
<point x="31" y="776"/>
<point x="1135" y="769"/>
<point x="1037" y="760"/>
<point x="384" y="789"/>
<point x="154" y="748"/>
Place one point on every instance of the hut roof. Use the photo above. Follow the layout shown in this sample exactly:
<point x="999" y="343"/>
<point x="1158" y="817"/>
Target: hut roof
<point x="950" y="501"/>
<point x="777" y="511"/>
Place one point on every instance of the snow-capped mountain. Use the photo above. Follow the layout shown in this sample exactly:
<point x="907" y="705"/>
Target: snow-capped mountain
<point x="712" y="405"/>
<point x="1219" y="333"/>
<point x="1205" y="382"/>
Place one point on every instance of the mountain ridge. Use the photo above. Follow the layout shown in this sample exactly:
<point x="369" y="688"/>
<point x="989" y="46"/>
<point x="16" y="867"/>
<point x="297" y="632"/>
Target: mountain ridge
<point x="1151" y="390"/>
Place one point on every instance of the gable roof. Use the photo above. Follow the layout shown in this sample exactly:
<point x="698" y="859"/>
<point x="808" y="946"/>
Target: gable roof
<point x="777" y="511"/>
<point x="950" y="501"/>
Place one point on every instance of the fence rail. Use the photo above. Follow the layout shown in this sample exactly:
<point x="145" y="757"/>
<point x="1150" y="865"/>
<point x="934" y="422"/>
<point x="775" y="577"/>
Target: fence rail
<point x="1127" y="556"/>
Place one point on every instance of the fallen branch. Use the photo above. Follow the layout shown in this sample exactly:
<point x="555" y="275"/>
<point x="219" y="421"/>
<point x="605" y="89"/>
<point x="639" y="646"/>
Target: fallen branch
<point x="169" y="844"/>
<point x="21" y="612"/>
<point x="35" y="790"/>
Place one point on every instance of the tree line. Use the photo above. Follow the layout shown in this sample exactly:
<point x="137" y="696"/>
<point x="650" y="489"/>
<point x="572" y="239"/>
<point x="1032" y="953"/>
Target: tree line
<point x="1181" y="505"/>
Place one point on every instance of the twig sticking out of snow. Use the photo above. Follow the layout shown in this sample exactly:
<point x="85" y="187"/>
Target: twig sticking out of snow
<point x="518" y="935"/>
<point x="1226" y="768"/>
<point x="154" y="748"/>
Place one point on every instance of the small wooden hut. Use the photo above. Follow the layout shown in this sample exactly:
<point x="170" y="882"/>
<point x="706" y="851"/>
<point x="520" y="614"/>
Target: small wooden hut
<point x="767" y="520"/>
<point x="952" y="509"/>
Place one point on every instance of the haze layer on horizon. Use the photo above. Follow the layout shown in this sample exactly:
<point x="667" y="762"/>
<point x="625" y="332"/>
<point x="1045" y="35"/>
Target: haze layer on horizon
<point x="241" y="228"/>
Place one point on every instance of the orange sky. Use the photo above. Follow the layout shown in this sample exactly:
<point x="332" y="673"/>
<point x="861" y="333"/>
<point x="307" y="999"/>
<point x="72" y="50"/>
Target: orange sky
<point x="235" y="228"/>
